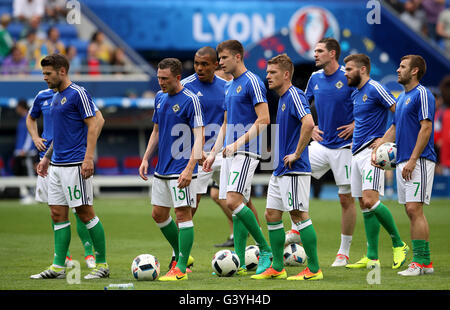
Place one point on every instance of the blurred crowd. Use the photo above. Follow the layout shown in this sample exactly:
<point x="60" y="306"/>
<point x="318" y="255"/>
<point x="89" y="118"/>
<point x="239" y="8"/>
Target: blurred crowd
<point x="428" y="17"/>
<point x="442" y="127"/>
<point x="40" y="36"/>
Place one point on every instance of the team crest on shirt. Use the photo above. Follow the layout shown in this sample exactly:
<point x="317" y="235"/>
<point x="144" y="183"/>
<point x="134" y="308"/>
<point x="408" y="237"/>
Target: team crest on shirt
<point x="176" y="108"/>
<point x="238" y="89"/>
<point x="364" y="98"/>
<point x="283" y="107"/>
<point x="63" y="100"/>
<point x="408" y="100"/>
<point x="316" y="87"/>
<point x="339" y="85"/>
<point x="158" y="106"/>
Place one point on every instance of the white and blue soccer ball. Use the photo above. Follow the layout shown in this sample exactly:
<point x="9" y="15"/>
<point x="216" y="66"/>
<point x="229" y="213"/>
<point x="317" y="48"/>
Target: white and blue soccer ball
<point x="386" y="156"/>
<point x="145" y="267"/>
<point x="251" y="257"/>
<point x="225" y="263"/>
<point x="294" y="255"/>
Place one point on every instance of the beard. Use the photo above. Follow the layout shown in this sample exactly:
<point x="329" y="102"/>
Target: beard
<point x="355" y="80"/>
<point x="404" y="80"/>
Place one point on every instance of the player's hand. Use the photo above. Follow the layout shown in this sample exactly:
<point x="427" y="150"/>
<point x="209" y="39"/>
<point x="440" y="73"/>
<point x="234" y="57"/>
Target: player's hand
<point x="290" y="159"/>
<point x="408" y="169"/>
<point x="39" y="143"/>
<point x="143" y="169"/>
<point x="316" y="134"/>
<point x="347" y="131"/>
<point x="42" y="167"/>
<point x="202" y="160"/>
<point x="207" y="164"/>
<point x="87" y="168"/>
<point x="229" y="150"/>
<point x="185" y="178"/>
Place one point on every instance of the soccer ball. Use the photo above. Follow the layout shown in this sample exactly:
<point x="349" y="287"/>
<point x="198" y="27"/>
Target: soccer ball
<point x="292" y="236"/>
<point x="225" y="263"/>
<point x="251" y="257"/>
<point x="145" y="267"/>
<point x="294" y="255"/>
<point x="386" y="156"/>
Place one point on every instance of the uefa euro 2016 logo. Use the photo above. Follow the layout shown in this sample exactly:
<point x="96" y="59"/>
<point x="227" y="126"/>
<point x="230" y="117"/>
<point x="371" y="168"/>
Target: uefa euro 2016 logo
<point x="310" y="24"/>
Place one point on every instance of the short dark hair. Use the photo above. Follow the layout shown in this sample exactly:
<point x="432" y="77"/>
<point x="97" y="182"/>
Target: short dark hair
<point x="332" y="45"/>
<point x="234" y="46"/>
<point x="361" y="60"/>
<point x="22" y="103"/>
<point x="284" y="62"/>
<point x="208" y="50"/>
<point x="57" y="61"/>
<point x="417" y="61"/>
<point x="174" y="64"/>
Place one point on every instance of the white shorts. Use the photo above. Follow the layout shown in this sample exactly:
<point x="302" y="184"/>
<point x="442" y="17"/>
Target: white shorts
<point x="364" y="176"/>
<point x="323" y="159"/>
<point x="204" y="178"/>
<point x="66" y="187"/>
<point x="289" y="192"/>
<point x="237" y="174"/>
<point x="165" y="193"/>
<point x="42" y="189"/>
<point x="418" y="189"/>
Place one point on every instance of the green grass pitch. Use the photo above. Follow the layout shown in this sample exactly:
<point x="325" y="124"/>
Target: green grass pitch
<point x="26" y="247"/>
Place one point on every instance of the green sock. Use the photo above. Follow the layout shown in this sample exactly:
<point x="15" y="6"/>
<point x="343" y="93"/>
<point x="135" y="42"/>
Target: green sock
<point x="85" y="237"/>
<point x="309" y="239"/>
<point x="240" y="235"/>
<point x="62" y="235"/>
<point x="427" y="254"/>
<point x="97" y="233"/>
<point x="68" y="251"/>
<point x="372" y="227"/>
<point x="170" y="232"/>
<point x="385" y="218"/>
<point x="248" y="218"/>
<point x="186" y="239"/>
<point x="276" y="237"/>
<point x="419" y="250"/>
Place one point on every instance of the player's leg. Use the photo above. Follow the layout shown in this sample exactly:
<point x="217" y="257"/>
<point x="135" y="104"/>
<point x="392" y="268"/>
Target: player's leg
<point x="61" y="227"/>
<point x="86" y="241"/>
<point x="340" y="163"/>
<point x="273" y="215"/>
<point x="371" y="223"/>
<point x="183" y="199"/>
<point x="79" y="194"/>
<point x="238" y="188"/>
<point x="162" y="202"/>
<point x="299" y="192"/>
<point x="415" y="193"/>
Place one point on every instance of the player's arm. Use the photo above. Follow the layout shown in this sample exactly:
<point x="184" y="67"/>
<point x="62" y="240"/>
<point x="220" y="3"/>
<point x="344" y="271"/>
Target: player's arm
<point x="260" y="124"/>
<point x="42" y="167"/>
<point x="196" y="155"/>
<point x="426" y="128"/>
<point x="100" y="122"/>
<point x="151" y="147"/>
<point x="389" y="136"/>
<point x="33" y="130"/>
<point x="217" y="146"/>
<point x="305" y="137"/>
<point x="87" y="167"/>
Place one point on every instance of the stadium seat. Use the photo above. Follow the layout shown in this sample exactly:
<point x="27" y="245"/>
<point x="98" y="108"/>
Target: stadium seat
<point x="107" y="165"/>
<point x="131" y="164"/>
<point x="2" y="167"/>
